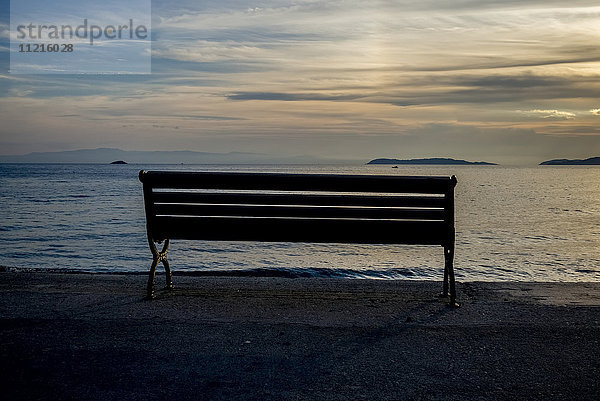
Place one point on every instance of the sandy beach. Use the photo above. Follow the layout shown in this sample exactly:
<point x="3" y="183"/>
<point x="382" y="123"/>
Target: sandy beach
<point x="93" y="337"/>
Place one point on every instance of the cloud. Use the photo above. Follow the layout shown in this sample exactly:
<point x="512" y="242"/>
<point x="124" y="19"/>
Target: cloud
<point x="553" y="114"/>
<point x="210" y="51"/>
<point x="18" y="92"/>
<point x="292" y="96"/>
<point x="4" y="31"/>
<point x="446" y="89"/>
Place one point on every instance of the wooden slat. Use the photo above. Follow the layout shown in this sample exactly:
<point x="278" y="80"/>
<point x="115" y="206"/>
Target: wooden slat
<point x="297" y="182"/>
<point x="298" y="211"/>
<point x="300" y="230"/>
<point x="298" y="199"/>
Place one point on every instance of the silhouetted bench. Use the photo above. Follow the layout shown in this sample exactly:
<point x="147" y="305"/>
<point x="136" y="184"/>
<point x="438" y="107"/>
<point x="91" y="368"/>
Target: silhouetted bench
<point x="274" y="207"/>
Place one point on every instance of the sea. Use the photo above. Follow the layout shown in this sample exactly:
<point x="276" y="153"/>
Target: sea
<point x="512" y="224"/>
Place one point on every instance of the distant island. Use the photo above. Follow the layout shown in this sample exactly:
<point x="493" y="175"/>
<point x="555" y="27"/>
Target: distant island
<point x="433" y="160"/>
<point x="118" y="162"/>
<point x="592" y="161"/>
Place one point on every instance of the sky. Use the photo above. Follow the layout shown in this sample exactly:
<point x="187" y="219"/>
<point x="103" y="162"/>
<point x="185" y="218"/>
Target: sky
<point x="511" y="82"/>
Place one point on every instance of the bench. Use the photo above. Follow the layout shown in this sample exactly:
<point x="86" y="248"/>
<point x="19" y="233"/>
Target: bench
<point x="313" y="208"/>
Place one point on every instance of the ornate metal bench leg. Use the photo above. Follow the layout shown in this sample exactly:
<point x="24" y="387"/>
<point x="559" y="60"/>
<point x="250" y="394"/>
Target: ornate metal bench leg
<point x="158" y="257"/>
<point x="165" y="262"/>
<point x="150" y="286"/>
<point x="168" y="274"/>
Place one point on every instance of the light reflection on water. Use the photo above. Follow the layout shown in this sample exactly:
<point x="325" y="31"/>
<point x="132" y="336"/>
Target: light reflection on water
<point x="539" y="223"/>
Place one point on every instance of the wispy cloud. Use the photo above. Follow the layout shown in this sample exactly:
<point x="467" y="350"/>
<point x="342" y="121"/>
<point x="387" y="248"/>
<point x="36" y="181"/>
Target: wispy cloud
<point x="552" y="114"/>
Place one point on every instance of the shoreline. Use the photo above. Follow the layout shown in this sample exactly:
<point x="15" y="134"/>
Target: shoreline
<point x="92" y="336"/>
<point x="313" y="273"/>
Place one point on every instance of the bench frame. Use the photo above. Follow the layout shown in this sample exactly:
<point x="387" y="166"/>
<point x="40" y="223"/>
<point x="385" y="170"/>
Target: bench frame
<point x="277" y="207"/>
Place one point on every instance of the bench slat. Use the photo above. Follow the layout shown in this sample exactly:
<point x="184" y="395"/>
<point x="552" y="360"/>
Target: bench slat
<point x="299" y="199"/>
<point x="300" y="230"/>
<point x="298" y="211"/>
<point x="297" y="182"/>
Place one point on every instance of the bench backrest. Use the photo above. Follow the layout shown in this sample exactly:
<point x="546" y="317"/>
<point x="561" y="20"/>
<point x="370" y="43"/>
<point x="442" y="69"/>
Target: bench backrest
<point x="299" y="207"/>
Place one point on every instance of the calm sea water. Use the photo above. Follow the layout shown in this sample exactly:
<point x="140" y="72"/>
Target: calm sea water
<point x="537" y="224"/>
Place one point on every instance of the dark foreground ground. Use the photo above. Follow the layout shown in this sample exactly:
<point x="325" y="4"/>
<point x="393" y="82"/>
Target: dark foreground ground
<point x="93" y="337"/>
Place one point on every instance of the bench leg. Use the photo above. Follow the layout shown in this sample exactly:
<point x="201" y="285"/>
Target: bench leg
<point x="150" y="285"/>
<point x="156" y="258"/>
<point x="168" y="274"/>
<point x="446" y="263"/>
<point x="449" y="275"/>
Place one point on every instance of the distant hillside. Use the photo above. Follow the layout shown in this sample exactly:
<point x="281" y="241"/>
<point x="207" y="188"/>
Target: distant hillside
<point x="592" y="161"/>
<point x="434" y="161"/>
<point x="107" y="155"/>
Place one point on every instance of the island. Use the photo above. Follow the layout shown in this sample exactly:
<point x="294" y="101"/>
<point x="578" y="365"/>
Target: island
<point x="433" y="161"/>
<point x="118" y="162"/>
<point x="592" y="161"/>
